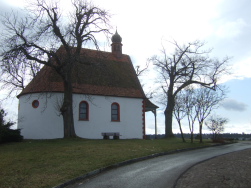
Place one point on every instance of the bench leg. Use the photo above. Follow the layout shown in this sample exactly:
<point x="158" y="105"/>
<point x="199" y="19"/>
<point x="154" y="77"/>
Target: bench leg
<point x="106" y="137"/>
<point x="116" y="137"/>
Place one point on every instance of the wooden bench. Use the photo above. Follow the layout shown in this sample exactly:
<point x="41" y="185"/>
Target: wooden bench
<point x="107" y="135"/>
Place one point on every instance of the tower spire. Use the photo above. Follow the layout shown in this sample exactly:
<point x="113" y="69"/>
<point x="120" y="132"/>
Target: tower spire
<point x="117" y="45"/>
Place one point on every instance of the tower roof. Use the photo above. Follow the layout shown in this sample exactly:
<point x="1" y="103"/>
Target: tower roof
<point x="116" y="38"/>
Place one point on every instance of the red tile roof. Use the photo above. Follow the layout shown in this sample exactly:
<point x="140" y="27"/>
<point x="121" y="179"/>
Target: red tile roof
<point x="97" y="73"/>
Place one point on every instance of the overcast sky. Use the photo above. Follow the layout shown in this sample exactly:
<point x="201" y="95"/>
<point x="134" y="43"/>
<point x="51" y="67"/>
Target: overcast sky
<point x="225" y="25"/>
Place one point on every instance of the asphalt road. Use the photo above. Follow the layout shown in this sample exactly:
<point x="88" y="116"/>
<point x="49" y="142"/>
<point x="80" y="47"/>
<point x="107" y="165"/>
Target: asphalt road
<point x="157" y="172"/>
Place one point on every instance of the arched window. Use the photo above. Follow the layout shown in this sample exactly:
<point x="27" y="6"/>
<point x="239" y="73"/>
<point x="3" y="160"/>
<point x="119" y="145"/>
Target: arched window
<point x="83" y="111"/>
<point x="115" y="112"/>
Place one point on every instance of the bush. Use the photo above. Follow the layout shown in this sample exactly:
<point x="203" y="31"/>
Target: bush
<point x="218" y="140"/>
<point x="6" y="133"/>
<point x="216" y="125"/>
<point x="10" y="135"/>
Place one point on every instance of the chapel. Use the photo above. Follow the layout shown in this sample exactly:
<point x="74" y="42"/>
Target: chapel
<point x="107" y="98"/>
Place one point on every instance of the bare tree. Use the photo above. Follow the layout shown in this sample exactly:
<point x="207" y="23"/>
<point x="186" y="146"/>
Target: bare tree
<point x="197" y="104"/>
<point x="216" y="125"/>
<point x="37" y="36"/>
<point x="192" y="114"/>
<point x="189" y="64"/>
<point x="180" y="111"/>
<point x="206" y="101"/>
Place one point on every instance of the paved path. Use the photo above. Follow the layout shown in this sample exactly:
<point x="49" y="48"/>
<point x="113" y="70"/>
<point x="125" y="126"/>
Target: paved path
<point x="232" y="170"/>
<point x="158" y="172"/>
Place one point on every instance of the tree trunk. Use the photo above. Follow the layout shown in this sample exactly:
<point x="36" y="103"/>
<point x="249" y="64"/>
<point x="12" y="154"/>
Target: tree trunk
<point x="169" y="117"/>
<point x="201" y="131"/>
<point x="67" y="110"/>
<point x="192" y="137"/>
<point x="181" y="132"/>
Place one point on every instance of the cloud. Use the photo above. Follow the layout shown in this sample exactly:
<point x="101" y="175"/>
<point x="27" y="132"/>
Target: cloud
<point x="234" y="105"/>
<point x="14" y="2"/>
<point x="231" y="28"/>
<point x="242" y="69"/>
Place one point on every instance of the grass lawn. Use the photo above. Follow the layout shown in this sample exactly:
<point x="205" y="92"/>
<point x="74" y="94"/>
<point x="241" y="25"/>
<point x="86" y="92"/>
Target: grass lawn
<point x="47" y="163"/>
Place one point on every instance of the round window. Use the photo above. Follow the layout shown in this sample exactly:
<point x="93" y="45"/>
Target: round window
<point x="35" y="103"/>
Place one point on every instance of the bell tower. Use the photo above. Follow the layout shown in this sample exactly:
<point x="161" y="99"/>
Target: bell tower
<point x="117" y="45"/>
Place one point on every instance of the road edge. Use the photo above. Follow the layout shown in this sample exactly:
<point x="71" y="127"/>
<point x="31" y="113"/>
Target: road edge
<point x="127" y="162"/>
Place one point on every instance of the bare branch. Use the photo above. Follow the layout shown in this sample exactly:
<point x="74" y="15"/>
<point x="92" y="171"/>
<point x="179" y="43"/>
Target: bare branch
<point x="139" y="71"/>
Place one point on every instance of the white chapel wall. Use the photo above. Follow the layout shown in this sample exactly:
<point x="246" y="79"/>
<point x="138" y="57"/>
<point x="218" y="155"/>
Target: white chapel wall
<point x="44" y="121"/>
<point x="129" y="126"/>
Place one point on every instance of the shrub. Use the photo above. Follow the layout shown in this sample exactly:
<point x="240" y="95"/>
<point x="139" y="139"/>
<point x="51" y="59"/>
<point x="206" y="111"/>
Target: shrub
<point x="218" y="140"/>
<point x="216" y="125"/>
<point x="6" y="133"/>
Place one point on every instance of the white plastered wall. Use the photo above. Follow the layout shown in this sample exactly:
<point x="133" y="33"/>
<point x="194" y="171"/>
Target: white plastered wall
<point x="129" y="126"/>
<point x="44" y="122"/>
